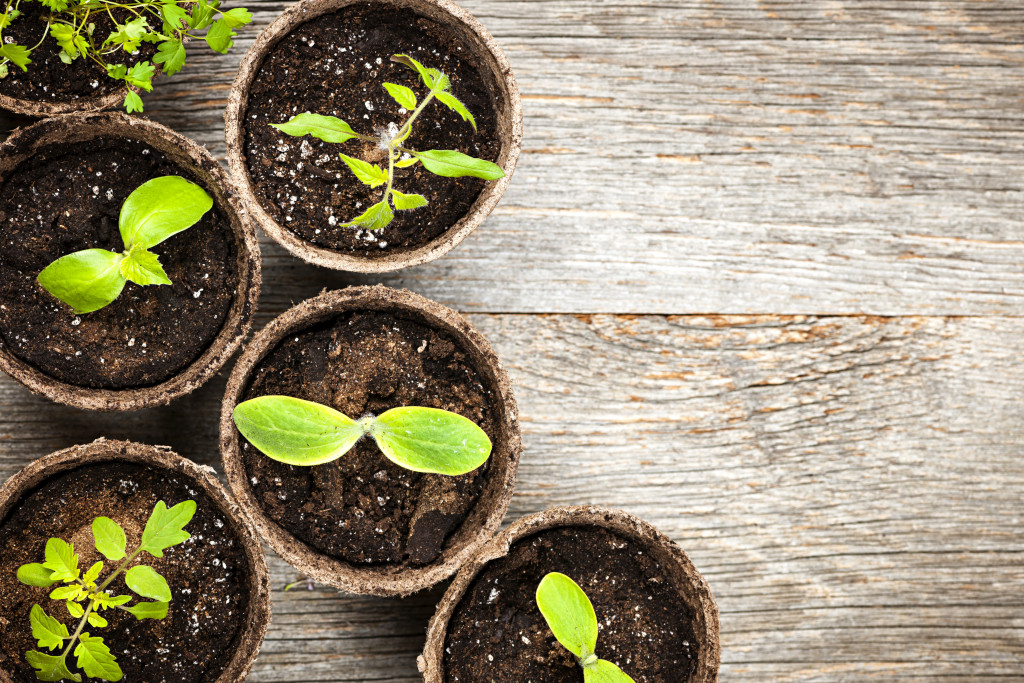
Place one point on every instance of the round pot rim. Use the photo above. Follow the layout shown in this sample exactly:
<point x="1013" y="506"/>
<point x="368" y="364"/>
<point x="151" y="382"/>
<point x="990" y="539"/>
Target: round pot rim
<point x="234" y="133"/>
<point x="94" y="103"/>
<point x="236" y="324"/>
<point x="431" y="662"/>
<point x="483" y="519"/>
<point x="254" y="628"/>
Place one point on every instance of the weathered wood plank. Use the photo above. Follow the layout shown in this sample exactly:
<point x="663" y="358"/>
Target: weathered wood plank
<point x="782" y="156"/>
<point x="850" y="486"/>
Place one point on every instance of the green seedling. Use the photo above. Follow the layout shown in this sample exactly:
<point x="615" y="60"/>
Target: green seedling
<point x="571" y="617"/>
<point x="170" y="24"/>
<point x="90" y="279"/>
<point x="298" y="432"/>
<point x="442" y="162"/>
<point x="85" y="595"/>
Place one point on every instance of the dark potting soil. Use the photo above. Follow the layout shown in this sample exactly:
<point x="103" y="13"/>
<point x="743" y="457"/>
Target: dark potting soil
<point x="362" y="508"/>
<point x="498" y="634"/>
<point x="208" y="574"/>
<point x="335" y="65"/>
<point x="67" y="198"/>
<point x="48" y="79"/>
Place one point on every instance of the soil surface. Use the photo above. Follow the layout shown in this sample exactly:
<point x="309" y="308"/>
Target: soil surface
<point x="497" y="633"/>
<point x="336" y="66"/>
<point x="208" y="574"/>
<point x="362" y="508"/>
<point x="50" y="80"/>
<point x="68" y="198"/>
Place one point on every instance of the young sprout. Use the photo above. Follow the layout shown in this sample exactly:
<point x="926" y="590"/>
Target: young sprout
<point x="85" y="595"/>
<point x="442" y="162"/>
<point x="298" y="432"/>
<point x="571" y="617"/>
<point x="90" y="279"/>
<point x="171" y="24"/>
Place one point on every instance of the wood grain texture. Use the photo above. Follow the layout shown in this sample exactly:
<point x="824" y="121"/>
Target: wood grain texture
<point x="849" y="486"/>
<point x="730" y="156"/>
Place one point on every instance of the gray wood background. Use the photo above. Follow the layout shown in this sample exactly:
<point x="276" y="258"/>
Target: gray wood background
<point x="759" y="279"/>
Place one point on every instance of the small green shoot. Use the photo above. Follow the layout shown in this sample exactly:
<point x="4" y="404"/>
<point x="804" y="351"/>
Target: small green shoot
<point x="170" y="24"/>
<point x="571" y="618"/>
<point x="305" y="433"/>
<point x="90" y="279"/>
<point x="442" y="162"/>
<point x="85" y="595"/>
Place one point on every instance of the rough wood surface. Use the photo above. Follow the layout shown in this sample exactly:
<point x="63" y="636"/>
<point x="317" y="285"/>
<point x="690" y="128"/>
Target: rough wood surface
<point x="849" y="485"/>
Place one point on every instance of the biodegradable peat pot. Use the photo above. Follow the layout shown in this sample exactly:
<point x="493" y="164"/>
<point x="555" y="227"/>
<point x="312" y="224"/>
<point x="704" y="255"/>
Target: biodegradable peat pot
<point x="362" y="523"/>
<point x="221" y="590"/>
<point x="659" y="622"/>
<point x="331" y="57"/>
<point x="62" y="183"/>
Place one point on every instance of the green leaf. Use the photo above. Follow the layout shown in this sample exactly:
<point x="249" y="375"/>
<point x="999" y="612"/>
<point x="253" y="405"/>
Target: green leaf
<point x="69" y="40"/>
<point x="406" y="163"/>
<point x="96" y="620"/>
<point x="49" y="632"/>
<point x="141" y="76"/>
<point x="452" y="164"/>
<point x="403" y="95"/>
<point x="160" y="208"/>
<point x="174" y="16"/>
<point x="367" y="173"/>
<point x="104" y="601"/>
<point x="65" y="592"/>
<point x="93" y="573"/>
<point x="109" y="538"/>
<point x="35" y="574"/>
<point x="61" y="558"/>
<point x="170" y="53"/>
<point x="148" y="610"/>
<point x="441" y="81"/>
<point x="132" y="102"/>
<point x="236" y="17"/>
<point x="128" y="36"/>
<point x="95" y="659"/>
<point x="85" y="280"/>
<point x="74" y="609"/>
<point x="431" y="440"/>
<point x="220" y="34"/>
<point x="326" y="128"/>
<point x="407" y="201"/>
<point x="143" y="268"/>
<point x="117" y="71"/>
<point x="17" y="54"/>
<point x="569" y="614"/>
<point x="603" y="671"/>
<point x="165" y="527"/>
<point x="148" y="583"/>
<point x="294" y="431"/>
<point x="420" y="69"/>
<point x="376" y="217"/>
<point x="202" y="15"/>
<point x="50" y="667"/>
<point x="453" y="103"/>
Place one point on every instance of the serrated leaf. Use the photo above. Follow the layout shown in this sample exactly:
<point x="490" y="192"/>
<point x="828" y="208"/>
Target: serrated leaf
<point x="367" y="173"/>
<point x="93" y="573"/>
<point x="406" y="163"/>
<point x="419" y="68"/>
<point x="441" y="81"/>
<point x="109" y="538"/>
<point x="18" y="54"/>
<point x="148" y="610"/>
<point x="174" y="16"/>
<point x="96" y="620"/>
<point x="430" y="440"/>
<point x="142" y="267"/>
<point x="132" y="102"/>
<point x="95" y="659"/>
<point x="603" y="671"/>
<point x="74" y="609"/>
<point x="326" y="128"/>
<point x="294" y="431"/>
<point x="69" y="40"/>
<point x="47" y="631"/>
<point x="141" y="76"/>
<point x="148" y="583"/>
<point x="220" y="35"/>
<point x="170" y="53"/>
<point x="50" y="667"/>
<point x="165" y="527"/>
<point x="407" y="201"/>
<point x="202" y="15"/>
<point x="62" y="559"/>
<point x="453" y="103"/>
<point x="104" y="601"/>
<point x="160" y="208"/>
<point x="403" y="95"/>
<point x="452" y="164"/>
<point x="239" y="16"/>
<point x="65" y="592"/>
<point x="376" y="217"/>
<point x="86" y="280"/>
<point x="35" y="574"/>
<point x="569" y="614"/>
